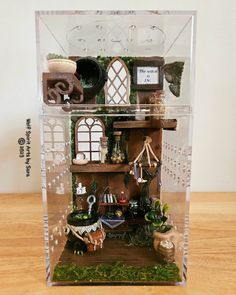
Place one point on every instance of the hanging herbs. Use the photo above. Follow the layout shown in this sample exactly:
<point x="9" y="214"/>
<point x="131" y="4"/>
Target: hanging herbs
<point x="126" y="180"/>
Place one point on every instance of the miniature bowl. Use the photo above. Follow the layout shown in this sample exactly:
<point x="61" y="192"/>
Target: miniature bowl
<point x="80" y="162"/>
<point x="61" y="66"/>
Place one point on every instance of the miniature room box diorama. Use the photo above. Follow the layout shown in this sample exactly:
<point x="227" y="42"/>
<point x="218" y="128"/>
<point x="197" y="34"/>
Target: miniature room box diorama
<point x="115" y="90"/>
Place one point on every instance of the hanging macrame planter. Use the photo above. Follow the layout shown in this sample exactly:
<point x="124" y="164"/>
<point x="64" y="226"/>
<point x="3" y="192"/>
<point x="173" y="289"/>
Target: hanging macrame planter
<point x="145" y="159"/>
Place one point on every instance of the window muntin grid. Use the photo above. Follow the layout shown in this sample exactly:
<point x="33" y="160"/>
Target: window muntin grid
<point x="88" y="131"/>
<point x="117" y="88"/>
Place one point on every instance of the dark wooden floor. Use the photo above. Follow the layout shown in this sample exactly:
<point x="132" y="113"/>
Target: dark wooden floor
<point x="113" y="250"/>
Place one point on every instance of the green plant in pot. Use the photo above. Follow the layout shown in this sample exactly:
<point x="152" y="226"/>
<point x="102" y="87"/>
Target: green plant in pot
<point x="58" y="63"/>
<point x="157" y="216"/>
<point x="162" y="231"/>
<point x="156" y="227"/>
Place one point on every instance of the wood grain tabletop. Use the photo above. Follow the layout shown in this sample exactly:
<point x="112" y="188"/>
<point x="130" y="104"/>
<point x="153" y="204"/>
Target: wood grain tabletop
<point x="212" y="249"/>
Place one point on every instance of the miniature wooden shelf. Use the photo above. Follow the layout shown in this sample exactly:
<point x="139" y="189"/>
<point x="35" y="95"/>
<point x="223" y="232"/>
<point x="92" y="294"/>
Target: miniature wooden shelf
<point x="56" y="85"/>
<point x="98" y="167"/>
<point x="114" y="204"/>
<point x="167" y="124"/>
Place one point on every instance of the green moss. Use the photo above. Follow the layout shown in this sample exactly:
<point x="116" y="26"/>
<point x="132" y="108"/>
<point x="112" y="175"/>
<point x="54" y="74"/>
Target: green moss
<point x="133" y="96"/>
<point x="142" y="236"/>
<point x="100" y="98"/>
<point x="117" y="272"/>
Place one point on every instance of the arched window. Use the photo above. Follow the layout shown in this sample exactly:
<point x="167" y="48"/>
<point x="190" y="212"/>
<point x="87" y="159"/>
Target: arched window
<point x="88" y="131"/>
<point x="117" y="88"/>
<point x="54" y="138"/>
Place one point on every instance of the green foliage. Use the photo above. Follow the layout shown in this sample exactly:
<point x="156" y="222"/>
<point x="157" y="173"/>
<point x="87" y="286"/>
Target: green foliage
<point x="165" y="208"/>
<point x="88" y="82"/>
<point x="157" y="215"/>
<point x="142" y="236"/>
<point x="104" y="60"/>
<point x="73" y="155"/>
<point x="55" y="56"/>
<point x="116" y="272"/>
<point x="93" y="187"/>
<point x="100" y="98"/>
<point x="133" y="96"/>
<point x="72" y="129"/>
<point x="74" y="185"/>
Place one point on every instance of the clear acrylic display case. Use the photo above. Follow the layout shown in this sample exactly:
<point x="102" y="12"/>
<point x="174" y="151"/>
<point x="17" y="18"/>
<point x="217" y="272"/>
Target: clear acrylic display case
<point x="127" y="237"/>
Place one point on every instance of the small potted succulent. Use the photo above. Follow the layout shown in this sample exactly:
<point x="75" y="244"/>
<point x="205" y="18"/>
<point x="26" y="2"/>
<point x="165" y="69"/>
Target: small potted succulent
<point x="60" y="64"/>
<point x="161" y="229"/>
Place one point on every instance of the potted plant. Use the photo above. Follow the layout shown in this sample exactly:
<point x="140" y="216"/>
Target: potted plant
<point x="155" y="230"/>
<point x="161" y="229"/>
<point x="60" y="64"/>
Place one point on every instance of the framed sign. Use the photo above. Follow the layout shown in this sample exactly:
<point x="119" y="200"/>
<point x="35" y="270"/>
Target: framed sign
<point x="147" y="73"/>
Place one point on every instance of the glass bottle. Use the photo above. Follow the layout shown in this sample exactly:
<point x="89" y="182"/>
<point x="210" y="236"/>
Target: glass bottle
<point x="81" y="197"/>
<point x="103" y="149"/>
<point x="117" y="155"/>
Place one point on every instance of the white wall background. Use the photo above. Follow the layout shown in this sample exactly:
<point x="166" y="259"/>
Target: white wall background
<point x="214" y="138"/>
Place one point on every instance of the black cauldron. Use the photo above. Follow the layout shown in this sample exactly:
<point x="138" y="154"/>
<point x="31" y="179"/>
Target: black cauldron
<point x="92" y="77"/>
<point x="77" y="245"/>
<point x="81" y="222"/>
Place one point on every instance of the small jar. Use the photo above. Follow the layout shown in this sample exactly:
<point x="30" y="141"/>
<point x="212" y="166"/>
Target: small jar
<point x="123" y="198"/>
<point x="133" y="209"/>
<point x="81" y="197"/>
<point x="166" y="251"/>
<point x="103" y="149"/>
<point x="117" y="156"/>
<point x="158" y="110"/>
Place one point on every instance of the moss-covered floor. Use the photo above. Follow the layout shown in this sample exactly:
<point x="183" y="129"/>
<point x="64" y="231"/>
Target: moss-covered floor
<point x="116" y="262"/>
<point x="116" y="272"/>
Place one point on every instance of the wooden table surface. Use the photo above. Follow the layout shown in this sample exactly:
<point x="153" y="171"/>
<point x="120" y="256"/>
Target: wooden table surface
<point x="212" y="249"/>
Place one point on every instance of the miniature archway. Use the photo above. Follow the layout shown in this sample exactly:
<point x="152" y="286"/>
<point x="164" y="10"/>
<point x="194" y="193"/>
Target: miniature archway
<point x="117" y="88"/>
<point x="88" y="131"/>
